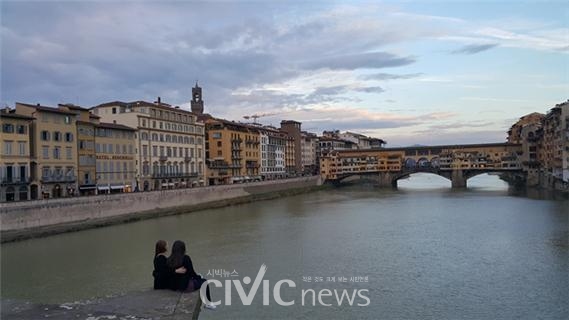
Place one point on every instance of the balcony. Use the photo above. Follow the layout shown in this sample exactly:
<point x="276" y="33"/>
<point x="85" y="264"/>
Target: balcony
<point x="187" y="159"/>
<point x="163" y="158"/>
<point x="15" y="180"/>
<point x="57" y="178"/>
<point x="174" y="175"/>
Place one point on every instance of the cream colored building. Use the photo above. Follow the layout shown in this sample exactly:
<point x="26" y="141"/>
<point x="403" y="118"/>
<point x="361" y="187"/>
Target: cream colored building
<point x="308" y="146"/>
<point x="15" y="156"/>
<point x="170" y="146"/>
<point x="116" y="158"/>
<point x="53" y="150"/>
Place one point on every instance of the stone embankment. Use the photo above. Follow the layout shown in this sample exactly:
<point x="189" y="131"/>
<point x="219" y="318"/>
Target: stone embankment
<point x="21" y="220"/>
<point x="149" y="304"/>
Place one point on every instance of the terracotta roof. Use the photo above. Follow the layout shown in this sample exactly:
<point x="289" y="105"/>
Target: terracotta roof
<point x="15" y="116"/>
<point x="47" y="109"/>
<point x="139" y="103"/>
<point x="72" y="106"/>
<point x="114" y="126"/>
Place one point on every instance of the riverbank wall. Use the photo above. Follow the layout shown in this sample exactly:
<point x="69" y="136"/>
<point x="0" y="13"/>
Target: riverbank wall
<point x="22" y="220"/>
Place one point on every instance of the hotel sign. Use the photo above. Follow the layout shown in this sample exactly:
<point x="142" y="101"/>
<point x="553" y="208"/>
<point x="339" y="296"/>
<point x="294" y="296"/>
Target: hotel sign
<point x="105" y="157"/>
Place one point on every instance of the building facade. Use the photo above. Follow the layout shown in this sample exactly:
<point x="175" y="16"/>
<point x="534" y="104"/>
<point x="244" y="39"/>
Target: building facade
<point x="293" y="130"/>
<point x="170" y="144"/>
<point x="309" y="146"/>
<point x="86" y="157"/>
<point x="115" y="158"/>
<point x="233" y="152"/>
<point x="53" y="150"/>
<point x="273" y="144"/>
<point x="15" y="175"/>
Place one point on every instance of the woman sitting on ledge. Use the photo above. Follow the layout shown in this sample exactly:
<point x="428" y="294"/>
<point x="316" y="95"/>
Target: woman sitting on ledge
<point x="163" y="275"/>
<point x="189" y="280"/>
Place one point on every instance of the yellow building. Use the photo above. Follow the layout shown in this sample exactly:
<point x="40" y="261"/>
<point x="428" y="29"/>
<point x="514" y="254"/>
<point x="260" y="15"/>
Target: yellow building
<point x="337" y="163"/>
<point x="86" y="161"/>
<point x="15" y="156"/>
<point x="233" y="152"/>
<point x="53" y="150"/>
<point x="170" y="144"/>
<point x="116" y="159"/>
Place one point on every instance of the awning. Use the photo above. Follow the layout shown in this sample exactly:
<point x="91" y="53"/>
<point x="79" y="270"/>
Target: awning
<point x="103" y="187"/>
<point x="117" y="187"/>
<point x="88" y="187"/>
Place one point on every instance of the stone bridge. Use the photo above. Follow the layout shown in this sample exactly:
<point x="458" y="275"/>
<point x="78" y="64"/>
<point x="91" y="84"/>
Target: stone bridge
<point x="457" y="163"/>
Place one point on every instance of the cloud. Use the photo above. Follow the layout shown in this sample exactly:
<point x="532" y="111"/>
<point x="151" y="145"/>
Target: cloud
<point x="389" y="76"/>
<point x="371" y="60"/>
<point x="474" y="48"/>
<point x="375" y="89"/>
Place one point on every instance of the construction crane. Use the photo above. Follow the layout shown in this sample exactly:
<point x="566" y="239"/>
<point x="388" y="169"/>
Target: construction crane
<point x="257" y="116"/>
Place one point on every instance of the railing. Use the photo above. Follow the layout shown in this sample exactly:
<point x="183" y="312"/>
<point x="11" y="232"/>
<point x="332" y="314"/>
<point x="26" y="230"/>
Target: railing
<point x="14" y="180"/>
<point x="60" y="178"/>
<point x="163" y="158"/>
<point x="175" y="175"/>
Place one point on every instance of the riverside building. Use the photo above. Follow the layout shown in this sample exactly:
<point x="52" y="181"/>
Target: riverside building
<point x="233" y="152"/>
<point x="53" y="151"/>
<point x="170" y="144"/>
<point x="15" y="175"/>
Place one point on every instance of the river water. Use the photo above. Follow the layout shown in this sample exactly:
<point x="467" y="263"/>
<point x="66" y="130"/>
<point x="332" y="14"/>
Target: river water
<point x="423" y="251"/>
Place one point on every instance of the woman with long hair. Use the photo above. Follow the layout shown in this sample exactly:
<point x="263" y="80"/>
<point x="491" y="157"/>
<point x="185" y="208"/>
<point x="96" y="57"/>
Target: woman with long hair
<point x="190" y="280"/>
<point x="162" y="273"/>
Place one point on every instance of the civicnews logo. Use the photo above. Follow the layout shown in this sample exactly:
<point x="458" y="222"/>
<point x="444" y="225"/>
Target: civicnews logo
<point x="311" y="297"/>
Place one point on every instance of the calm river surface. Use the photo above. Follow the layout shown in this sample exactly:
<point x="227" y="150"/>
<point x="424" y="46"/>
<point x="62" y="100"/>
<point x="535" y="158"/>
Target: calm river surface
<point x="429" y="252"/>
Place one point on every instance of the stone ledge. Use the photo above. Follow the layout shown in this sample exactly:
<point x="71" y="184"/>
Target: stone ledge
<point x="148" y="304"/>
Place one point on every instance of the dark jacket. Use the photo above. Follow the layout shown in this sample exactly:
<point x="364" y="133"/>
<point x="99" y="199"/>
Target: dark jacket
<point x="162" y="274"/>
<point x="180" y="281"/>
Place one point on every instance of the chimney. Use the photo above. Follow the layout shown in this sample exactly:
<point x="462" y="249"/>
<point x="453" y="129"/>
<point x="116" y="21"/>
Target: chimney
<point x="158" y="101"/>
<point x="38" y="104"/>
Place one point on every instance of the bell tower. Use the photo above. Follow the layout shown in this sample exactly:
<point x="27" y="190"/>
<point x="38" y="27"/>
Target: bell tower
<point x="197" y="102"/>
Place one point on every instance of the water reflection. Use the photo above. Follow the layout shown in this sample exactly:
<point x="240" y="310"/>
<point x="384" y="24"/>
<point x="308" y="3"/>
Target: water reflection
<point x="430" y="252"/>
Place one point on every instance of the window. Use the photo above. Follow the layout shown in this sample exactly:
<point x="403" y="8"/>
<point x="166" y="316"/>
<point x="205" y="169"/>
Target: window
<point x="67" y="120"/>
<point x="22" y="147"/>
<point x="8" y="147"/>
<point x="45" y="135"/>
<point x="57" y="153"/>
<point x="68" y="137"/>
<point x="114" y="110"/>
<point x="45" y="152"/>
<point x="219" y="143"/>
<point x="8" y="128"/>
<point x="46" y="172"/>
<point x="130" y="149"/>
<point x="145" y="150"/>
<point x="154" y="151"/>
<point x="216" y="135"/>
<point x="68" y="153"/>
<point x="57" y="136"/>
<point x="124" y="149"/>
<point x="21" y="129"/>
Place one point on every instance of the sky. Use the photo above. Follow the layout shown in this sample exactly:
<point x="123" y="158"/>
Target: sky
<point x="410" y="72"/>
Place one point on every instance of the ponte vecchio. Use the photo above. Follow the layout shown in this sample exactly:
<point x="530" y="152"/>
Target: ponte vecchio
<point x="457" y="163"/>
